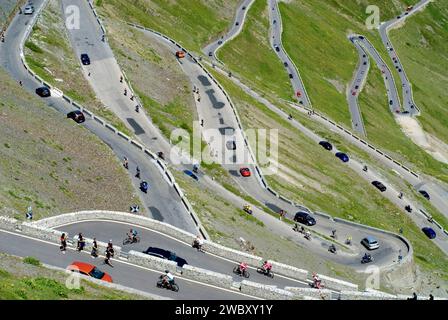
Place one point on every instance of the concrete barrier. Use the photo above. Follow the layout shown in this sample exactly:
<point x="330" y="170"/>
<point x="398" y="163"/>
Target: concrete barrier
<point x="356" y="295"/>
<point x="289" y="271"/>
<point x="337" y="284"/>
<point x="9" y="224"/>
<point x="145" y="260"/>
<point x="207" y="276"/>
<point x="303" y="293"/>
<point x="41" y="232"/>
<point x="232" y="254"/>
<point x="265" y="291"/>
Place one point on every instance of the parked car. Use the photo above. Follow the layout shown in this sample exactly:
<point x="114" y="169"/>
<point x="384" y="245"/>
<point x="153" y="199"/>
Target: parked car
<point x="89" y="270"/>
<point x="28" y="10"/>
<point x="425" y="194"/>
<point x="379" y="185"/>
<point x="85" y="60"/>
<point x="43" y="92"/>
<point x="430" y="233"/>
<point x="305" y="218"/>
<point x="342" y="156"/>
<point x="77" y="116"/>
<point x="165" y="254"/>
<point x="327" y="145"/>
<point x="370" y="243"/>
<point x="245" y="172"/>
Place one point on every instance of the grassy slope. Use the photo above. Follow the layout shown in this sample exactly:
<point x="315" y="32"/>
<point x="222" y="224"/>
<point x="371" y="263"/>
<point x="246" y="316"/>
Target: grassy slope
<point x="257" y="63"/>
<point x="191" y="22"/>
<point x="52" y="163"/>
<point x="22" y="281"/>
<point x="48" y="52"/>
<point x="322" y="51"/>
<point x="333" y="188"/>
<point x="422" y="47"/>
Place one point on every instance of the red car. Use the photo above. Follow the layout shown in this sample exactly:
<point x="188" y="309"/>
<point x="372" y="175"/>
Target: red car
<point x="245" y="172"/>
<point x="89" y="270"/>
<point x="354" y="93"/>
<point x="298" y="93"/>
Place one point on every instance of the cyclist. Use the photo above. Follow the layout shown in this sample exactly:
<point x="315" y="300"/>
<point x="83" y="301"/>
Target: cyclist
<point x="267" y="266"/>
<point x="133" y="235"/>
<point x="242" y="267"/>
<point x="168" y="278"/>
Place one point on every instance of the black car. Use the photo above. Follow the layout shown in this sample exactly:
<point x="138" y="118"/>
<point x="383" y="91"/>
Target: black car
<point x="305" y="218"/>
<point x="327" y="145"/>
<point x="210" y="54"/>
<point x="85" y="59"/>
<point x="425" y="194"/>
<point x="43" y="92"/>
<point x="364" y="63"/>
<point x="277" y="49"/>
<point x="291" y="76"/>
<point x="237" y="23"/>
<point x="379" y="185"/>
<point x="77" y="116"/>
<point x="165" y="254"/>
<point x="391" y="102"/>
<point x="285" y="64"/>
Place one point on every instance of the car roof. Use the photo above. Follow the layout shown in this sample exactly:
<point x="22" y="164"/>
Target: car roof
<point x="82" y="266"/>
<point x="371" y="239"/>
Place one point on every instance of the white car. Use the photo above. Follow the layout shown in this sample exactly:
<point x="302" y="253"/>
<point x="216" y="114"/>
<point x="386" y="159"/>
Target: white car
<point x="370" y="243"/>
<point x="28" y="10"/>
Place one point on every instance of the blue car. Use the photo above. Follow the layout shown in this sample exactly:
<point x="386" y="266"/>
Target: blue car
<point x="144" y="186"/>
<point x="342" y="156"/>
<point x="430" y="233"/>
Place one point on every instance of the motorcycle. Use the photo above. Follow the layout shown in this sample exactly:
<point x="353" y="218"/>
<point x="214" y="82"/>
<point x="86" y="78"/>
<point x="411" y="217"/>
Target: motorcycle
<point x="268" y="273"/>
<point x="367" y="259"/>
<point x="144" y="186"/>
<point x="237" y="271"/>
<point x="247" y="209"/>
<point x="196" y="245"/>
<point x="167" y="285"/>
<point x="332" y="248"/>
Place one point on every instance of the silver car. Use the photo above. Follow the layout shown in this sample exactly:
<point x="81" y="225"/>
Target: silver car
<point x="370" y="243"/>
<point x="28" y="10"/>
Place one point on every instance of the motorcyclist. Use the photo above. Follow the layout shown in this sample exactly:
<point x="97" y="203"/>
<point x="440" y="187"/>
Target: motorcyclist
<point x="168" y="278"/>
<point x="332" y="248"/>
<point x="349" y="240"/>
<point x="367" y="257"/>
<point x="266" y="266"/>
<point x="247" y="208"/>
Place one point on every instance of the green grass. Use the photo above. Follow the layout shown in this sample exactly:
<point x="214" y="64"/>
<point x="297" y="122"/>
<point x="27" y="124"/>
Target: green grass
<point x="257" y="63"/>
<point x="31" y="260"/>
<point x="341" y="192"/>
<point x="191" y="22"/>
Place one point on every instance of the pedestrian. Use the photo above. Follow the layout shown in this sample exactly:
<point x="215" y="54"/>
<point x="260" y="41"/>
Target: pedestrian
<point x="103" y="37"/>
<point x="137" y="175"/>
<point x="125" y="92"/>
<point x="126" y="163"/>
<point x="20" y="10"/>
<point x="199" y="98"/>
<point x="20" y="83"/>
<point x="400" y="257"/>
<point x="121" y="79"/>
<point x="109" y="253"/>
<point x="202" y="122"/>
<point x="94" y="252"/>
<point x="132" y="98"/>
<point x="63" y="246"/>
<point x="431" y="297"/>
<point x="81" y="242"/>
<point x="290" y="117"/>
<point x="88" y="74"/>
<point x="137" y="108"/>
<point x="400" y="230"/>
<point x="400" y="195"/>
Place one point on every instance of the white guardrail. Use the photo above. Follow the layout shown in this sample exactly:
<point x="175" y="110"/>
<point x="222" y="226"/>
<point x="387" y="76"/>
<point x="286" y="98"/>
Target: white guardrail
<point x="172" y="182"/>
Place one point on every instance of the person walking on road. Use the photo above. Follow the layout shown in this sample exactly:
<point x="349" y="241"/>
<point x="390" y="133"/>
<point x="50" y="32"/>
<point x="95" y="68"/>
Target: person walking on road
<point x="109" y="253"/>
<point x="94" y="252"/>
<point x="126" y="163"/>
<point x="121" y="79"/>
<point x="125" y="91"/>
<point x="137" y="175"/>
<point x="63" y="246"/>
<point x="81" y="242"/>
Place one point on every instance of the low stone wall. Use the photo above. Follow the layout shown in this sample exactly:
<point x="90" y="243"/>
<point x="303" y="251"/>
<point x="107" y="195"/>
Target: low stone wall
<point x="337" y="284"/>
<point x="207" y="276"/>
<point x="232" y="254"/>
<point x="356" y="295"/>
<point x="145" y="260"/>
<point x="265" y="291"/>
<point x="41" y="233"/>
<point x="289" y="271"/>
<point x="304" y="293"/>
<point x="9" y="224"/>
